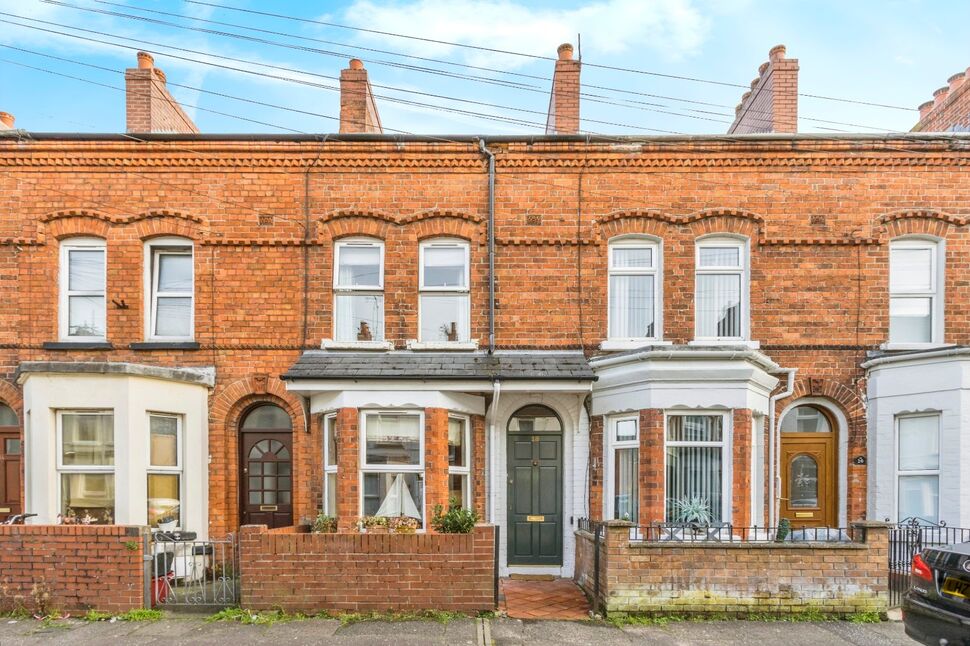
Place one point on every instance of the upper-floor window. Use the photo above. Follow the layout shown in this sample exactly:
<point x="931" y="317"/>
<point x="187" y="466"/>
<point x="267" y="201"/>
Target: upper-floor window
<point x="721" y="289"/>
<point x="358" y="290"/>
<point x="915" y="299"/>
<point x="171" y="289"/>
<point x="634" y="289"/>
<point x="444" y="308"/>
<point x="82" y="289"/>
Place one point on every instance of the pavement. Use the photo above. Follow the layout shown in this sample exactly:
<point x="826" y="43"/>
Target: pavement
<point x="175" y="630"/>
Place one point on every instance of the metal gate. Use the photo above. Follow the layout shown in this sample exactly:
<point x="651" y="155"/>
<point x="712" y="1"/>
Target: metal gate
<point x="909" y="537"/>
<point x="181" y="571"/>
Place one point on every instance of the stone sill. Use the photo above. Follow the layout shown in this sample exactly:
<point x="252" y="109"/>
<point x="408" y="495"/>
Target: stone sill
<point x="378" y="346"/>
<point x="164" y="345"/>
<point x="625" y="344"/>
<point x="78" y="345"/>
<point x="456" y="346"/>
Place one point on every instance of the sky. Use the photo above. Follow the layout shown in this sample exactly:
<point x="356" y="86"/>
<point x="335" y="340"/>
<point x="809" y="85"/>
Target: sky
<point x="891" y="52"/>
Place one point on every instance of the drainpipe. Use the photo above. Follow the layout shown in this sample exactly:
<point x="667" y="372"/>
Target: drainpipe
<point x="491" y="244"/>
<point x="774" y="447"/>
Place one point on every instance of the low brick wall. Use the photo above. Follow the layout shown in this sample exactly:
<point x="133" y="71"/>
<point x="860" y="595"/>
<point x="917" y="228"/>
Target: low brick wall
<point x="71" y="568"/>
<point x="736" y="578"/>
<point x="305" y="572"/>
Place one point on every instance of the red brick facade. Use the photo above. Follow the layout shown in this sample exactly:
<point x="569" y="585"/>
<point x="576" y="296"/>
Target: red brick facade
<point x="71" y="568"/>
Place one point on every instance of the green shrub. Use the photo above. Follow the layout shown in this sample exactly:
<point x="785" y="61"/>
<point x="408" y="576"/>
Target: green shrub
<point x="457" y="520"/>
<point x="784" y="529"/>
<point x="324" y="524"/>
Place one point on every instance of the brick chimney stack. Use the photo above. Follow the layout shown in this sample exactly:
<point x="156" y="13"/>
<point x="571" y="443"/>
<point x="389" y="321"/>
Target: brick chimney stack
<point x="6" y="121"/>
<point x="563" y="118"/>
<point x="949" y="110"/>
<point x="772" y="103"/>
<point x="148" y="105"/>
<point x="358" y="110"/>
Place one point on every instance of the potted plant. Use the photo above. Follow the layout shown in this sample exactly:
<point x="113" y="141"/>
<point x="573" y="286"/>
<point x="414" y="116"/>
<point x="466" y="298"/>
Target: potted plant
<point x="372" y="525"/>
<point x="695" y="512"/>
<point x="402" y="524"/>
<point x="457" y="520"/>
<point x="324" y="524"/>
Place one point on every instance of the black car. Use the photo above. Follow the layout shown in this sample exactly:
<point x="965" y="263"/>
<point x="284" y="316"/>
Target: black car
<point x="936" y="609"/>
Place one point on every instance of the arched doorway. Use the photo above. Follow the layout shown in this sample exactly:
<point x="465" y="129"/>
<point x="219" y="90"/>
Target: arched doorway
<point x="11" y="451"/>
<point x="266" y="467"/>
<point x="535" y="487"/>
<point x="809" y="490"/>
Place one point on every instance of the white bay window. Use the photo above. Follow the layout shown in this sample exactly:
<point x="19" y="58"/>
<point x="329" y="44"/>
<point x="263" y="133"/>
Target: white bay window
<point x="444" y="304"/>
<point x="358" y="286"/>
<point x="918" y="467"/>
<point x="623" y="485"/>
<point x="164" y="469"/>
<point x="696" y="468"/>
<point x="459" y="461"/>
<point x="86" y="466"/>
<point x="392" y="464"/>
<point x="330" y="465"/>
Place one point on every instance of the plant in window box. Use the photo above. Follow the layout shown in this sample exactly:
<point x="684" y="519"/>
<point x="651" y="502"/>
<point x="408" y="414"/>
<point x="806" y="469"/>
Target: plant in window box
<point x="324" y="524"/>
<point x="372" y="525"/>
<point x="402" y="524"/>
<point x="457" y="520"/>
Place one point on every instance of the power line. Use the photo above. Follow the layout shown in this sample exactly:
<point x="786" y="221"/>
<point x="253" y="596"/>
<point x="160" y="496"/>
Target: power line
<point x="526" y="55"/>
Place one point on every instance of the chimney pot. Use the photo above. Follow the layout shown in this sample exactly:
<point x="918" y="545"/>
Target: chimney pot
<point x="939" y="96"/>
<point x="737" y="109"/>
<point x="956" y="80"/>
<point x="744" y="97"/>
<point x="565" y="52"/>
<point x="776" y="53"/>
<point x="145" y="61"/>
<point x="754" y="82"/>
<point x="356" y="64"/>
<point x="925" y="109"/>
<point x="763" y="67"/>
<point x="7" y="119"/>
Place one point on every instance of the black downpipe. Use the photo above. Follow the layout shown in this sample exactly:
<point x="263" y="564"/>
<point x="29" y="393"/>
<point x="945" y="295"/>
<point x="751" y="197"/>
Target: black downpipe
<point x="491" y="244"/>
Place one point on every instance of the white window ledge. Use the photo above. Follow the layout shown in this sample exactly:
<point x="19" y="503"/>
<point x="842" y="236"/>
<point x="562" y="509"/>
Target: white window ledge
<point x="630" y="344"/>
<point x="414" y="344"/>
<point x="718" y="343"/>
<point x="330" y="344"/>
<point x="916" y="346"/>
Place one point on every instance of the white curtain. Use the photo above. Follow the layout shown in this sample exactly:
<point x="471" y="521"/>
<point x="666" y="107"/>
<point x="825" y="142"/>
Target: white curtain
<point x="719" y="305"/>
<point x="353" y="309"/>
<point x="694" y="472"/>
<point x="398" y="501"/>
<point x="625" y="495"/>
<point x="439" y="312"/>
<point x="631" y="306"/>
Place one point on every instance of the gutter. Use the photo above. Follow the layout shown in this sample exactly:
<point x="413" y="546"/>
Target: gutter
<point x="774" y="447"/>
<point x="726" y="353"/>
<point x="916" y="356"/>
<point x="491" y="244"/>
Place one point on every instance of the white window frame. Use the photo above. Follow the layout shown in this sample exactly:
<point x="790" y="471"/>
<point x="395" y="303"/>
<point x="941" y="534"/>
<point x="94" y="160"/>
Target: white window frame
<point x="727" y="454"/>
<point x="68" y="469"/>
<point x="655" y="271"/>
<point x="743" y="270"/>
<point x="918" y="472"/>
<point x="464" y="336"/>
<point x="82" y="244"/>
<point x="376" y="289"/>
<point x="464" y="471"/>
<point x="365" y="468"/>
<point x="612" y="445"/>
<point x="936" y="293"/>
<point x="153" y="249"/>
<point x="167" y="470"/>
<point x="329" y="428"/>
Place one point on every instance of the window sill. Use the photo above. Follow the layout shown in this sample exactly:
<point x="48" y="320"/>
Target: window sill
<point x="629" y="344"/>
<point x="78" y="345"/>
<point x="724" y="343"/>
<point x="915" y="346"/>
<point x="164" y="345"/>
<point x="447" y="346"/>
<point x="383" y="346"/>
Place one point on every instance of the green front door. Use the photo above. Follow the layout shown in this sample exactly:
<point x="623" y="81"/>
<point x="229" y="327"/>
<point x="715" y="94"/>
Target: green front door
<point x="535" y="499"/>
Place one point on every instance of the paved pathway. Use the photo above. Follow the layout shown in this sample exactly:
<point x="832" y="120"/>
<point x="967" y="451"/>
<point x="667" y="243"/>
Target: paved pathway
<point x="556" y="599"/>
<point x="182" y="630"/>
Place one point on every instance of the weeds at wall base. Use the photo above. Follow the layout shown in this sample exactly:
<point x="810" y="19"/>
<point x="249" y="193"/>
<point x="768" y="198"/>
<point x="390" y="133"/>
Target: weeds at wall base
<point x="270" y="617"/>
<point x="620" y="620"/>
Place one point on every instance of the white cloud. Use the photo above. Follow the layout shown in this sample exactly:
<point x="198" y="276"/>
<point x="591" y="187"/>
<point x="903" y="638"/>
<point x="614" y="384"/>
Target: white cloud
<point x="671" y="28"/>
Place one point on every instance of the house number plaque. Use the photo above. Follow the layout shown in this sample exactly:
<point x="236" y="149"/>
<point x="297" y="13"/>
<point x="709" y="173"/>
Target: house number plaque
<point x="535" y="519"/>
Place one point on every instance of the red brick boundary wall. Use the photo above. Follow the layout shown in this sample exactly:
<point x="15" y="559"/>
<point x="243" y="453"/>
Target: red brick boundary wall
<point x="72" y="568"/>
<point x="290" y="569"/>
<point x="736" y="578"/>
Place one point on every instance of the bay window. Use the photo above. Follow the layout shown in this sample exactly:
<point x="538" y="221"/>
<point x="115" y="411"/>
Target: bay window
<point x="164" y="469"/>
<point x="444" y="305"/>
<point x="624" y="452"/>
<point x="696" y="469"/>
<point x="721" y="289"/>
<point x="82" y="290"/>
<point x="392" y="464"/>
<point x="634" y="288"/>
<point x="171" y="299"/>
<point x="86" y="466"/>
<point x="330" y="465"/>
<point x="358" y="287"/>
<point x="459" y="453"/>
<point x="918" y="467"/>
<point x="915" y="304"/>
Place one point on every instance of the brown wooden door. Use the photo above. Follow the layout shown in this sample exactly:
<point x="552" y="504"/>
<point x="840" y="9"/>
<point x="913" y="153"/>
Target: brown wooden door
<point x="808" y="483"/>
<point x="11" y="450"/>
<point x="266" y="478"/>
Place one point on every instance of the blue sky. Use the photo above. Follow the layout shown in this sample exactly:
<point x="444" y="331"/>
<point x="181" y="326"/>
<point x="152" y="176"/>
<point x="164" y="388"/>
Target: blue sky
<point x="885" y="51"/>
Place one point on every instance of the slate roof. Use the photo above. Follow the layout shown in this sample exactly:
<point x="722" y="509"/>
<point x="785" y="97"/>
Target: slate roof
<point x="441" y="365"/>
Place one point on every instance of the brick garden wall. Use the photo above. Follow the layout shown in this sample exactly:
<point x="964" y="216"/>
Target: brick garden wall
<point x="737" y="578"/>
<point x="71" y="568"/>
<point x="305" y="572"/>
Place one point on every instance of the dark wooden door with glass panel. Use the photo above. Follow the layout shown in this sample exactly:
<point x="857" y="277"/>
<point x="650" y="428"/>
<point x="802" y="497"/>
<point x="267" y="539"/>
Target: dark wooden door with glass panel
<point x="266" y="461"/>
<point x="535" y="487"/>
<point x="808" y="480"/>
<point x="11" y="450"/>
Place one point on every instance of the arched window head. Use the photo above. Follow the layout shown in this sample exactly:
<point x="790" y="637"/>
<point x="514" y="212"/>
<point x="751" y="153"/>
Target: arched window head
<point x="267" y="417"/>
<point x="7" y="416"/>
<point x="806" y="419"/>
<point x="535" y="418"/>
